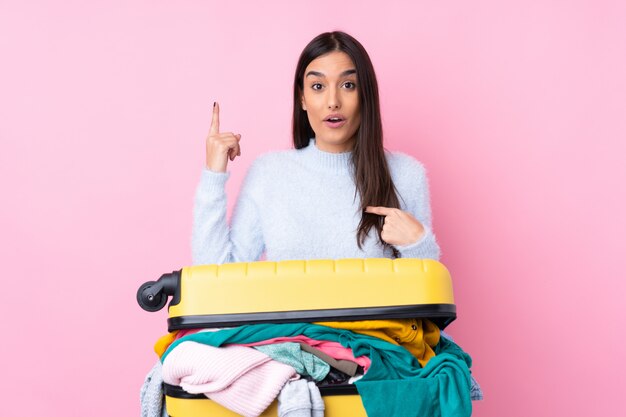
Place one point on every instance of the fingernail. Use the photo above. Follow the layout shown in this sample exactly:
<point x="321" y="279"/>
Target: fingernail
<point x="214" y="104"/>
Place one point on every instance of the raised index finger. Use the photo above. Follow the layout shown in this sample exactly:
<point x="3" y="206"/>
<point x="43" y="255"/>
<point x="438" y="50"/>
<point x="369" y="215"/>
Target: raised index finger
<point x="215" y="121"/>
<point x="381" y="211"/>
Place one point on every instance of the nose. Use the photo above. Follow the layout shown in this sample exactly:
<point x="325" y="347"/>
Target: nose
<point x="333" y="99"/>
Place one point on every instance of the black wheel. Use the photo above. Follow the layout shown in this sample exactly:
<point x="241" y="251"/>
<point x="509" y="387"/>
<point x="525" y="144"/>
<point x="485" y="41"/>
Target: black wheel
<point x="149" y="301"/>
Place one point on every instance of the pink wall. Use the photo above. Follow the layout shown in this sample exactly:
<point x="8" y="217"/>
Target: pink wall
<point x="517" y="109"/>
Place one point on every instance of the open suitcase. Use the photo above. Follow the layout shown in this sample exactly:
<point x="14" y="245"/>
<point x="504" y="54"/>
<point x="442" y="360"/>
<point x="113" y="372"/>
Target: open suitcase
<point x="297" y="291"/>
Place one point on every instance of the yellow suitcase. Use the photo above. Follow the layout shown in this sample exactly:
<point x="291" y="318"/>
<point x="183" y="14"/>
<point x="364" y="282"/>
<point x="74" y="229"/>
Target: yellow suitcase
<point x="297" y="291"/>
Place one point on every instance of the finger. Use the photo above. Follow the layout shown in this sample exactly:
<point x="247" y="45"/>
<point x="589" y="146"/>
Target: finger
<point x="223" y="144"/>
<point x="229" y="135"/>
<point x="232" y="148"/>
<point x="381" y="211"/>
<point x="215" y="121"/>
<point x="390" y="220"/>
<point x="234" y="151"/>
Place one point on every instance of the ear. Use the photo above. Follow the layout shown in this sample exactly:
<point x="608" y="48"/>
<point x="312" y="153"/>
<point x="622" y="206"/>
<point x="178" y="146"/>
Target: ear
<point x="302" y="103"/>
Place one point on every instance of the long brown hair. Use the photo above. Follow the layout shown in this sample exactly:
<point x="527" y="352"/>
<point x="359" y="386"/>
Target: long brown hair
<point x="370" y="170"/>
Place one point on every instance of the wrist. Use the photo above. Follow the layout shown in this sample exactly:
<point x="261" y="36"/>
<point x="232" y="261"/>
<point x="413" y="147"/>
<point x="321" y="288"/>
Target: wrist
<point x="417" y="235"/>
<point x="216" y="166"/>
<point x="414" y="241"/>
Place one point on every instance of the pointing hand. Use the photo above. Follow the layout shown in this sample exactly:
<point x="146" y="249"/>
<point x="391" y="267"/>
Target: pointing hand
<point x="220" y="147"/>
<point x="400" y="227"/>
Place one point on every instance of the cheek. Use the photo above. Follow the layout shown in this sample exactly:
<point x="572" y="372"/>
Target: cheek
<point x="313" y="120"/>
<point x="311" y="106"/>
<point x="356" y="108"/>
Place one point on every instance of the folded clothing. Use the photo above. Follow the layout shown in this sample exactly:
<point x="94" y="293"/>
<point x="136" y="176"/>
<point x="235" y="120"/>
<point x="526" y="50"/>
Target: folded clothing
<point x="418" y="336"/>
<point x="241" y="379"/>
<point x="331" y="348"/>
<point x="446" y="375"/>
<point x="305" y="363"/>
<point x="300" y="398"/>
<point x="345" y="366"/>
<point x="335" y="350"/>
<point x="151" y="393"/>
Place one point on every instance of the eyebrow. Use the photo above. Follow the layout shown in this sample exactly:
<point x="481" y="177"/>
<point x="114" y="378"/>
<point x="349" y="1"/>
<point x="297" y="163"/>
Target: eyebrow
<point x="319" y="74"/>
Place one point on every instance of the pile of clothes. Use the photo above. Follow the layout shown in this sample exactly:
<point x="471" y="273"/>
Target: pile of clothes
<point x="400" y="368"/>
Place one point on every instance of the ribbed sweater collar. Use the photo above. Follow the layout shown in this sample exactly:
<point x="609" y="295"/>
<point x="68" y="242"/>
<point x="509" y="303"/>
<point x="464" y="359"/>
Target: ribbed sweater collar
<point x="313" y="157"/>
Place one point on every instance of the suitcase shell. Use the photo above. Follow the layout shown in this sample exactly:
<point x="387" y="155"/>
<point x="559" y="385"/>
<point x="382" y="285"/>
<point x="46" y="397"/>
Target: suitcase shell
<point x="337" y="403"/>
<point x="298" y="291"/>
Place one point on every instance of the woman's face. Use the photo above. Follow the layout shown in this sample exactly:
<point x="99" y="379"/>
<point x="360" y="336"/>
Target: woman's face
<point x="331" y="100"/>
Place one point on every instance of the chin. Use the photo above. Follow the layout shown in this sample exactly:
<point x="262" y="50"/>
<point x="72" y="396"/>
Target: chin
<point x="339" y="138"/>
<point x="335" y="142"/>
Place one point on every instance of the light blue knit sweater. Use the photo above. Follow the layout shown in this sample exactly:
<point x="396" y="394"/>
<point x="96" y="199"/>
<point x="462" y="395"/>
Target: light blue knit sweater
<point x="300" y="204"/>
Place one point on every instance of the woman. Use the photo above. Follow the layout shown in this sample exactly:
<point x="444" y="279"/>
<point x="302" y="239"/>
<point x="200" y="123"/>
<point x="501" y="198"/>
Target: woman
<point x="338" y="194"/>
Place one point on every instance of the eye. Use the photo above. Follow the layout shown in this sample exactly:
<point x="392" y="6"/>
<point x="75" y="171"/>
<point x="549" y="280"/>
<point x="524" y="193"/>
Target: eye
<point x="349" y="85"/>
<point x="316" y="86"/>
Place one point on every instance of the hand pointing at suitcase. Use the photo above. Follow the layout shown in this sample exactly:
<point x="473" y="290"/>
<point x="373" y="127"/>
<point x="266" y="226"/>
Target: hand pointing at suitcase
<point x="220" y="147"/>
<point x="400" y="227"/>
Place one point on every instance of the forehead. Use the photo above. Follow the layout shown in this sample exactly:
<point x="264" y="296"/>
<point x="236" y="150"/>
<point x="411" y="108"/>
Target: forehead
<point x="330" y="64"/>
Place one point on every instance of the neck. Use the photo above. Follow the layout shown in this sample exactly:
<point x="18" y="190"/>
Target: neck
<point x="329" y="162"/>
<point x="329" y="147"/>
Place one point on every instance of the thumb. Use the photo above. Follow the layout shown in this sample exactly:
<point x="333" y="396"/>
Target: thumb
<point x="381" y="211"/>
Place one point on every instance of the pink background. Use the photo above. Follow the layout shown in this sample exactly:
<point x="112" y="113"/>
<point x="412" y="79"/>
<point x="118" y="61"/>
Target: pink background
<point x="517" y="108"/>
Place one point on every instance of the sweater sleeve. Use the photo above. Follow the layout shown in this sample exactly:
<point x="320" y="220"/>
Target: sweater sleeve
<point x="418" y="205"/>
<point x="213" y="241"/>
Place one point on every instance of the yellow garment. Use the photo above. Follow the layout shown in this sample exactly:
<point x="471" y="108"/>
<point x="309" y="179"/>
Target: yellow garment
<point x="164" y="342"/>
<point x="418" y="336"/>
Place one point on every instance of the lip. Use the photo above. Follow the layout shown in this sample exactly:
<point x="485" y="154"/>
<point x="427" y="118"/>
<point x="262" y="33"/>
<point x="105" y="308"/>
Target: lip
<point x="335" y="115"/>
<point x="335" y="125"/>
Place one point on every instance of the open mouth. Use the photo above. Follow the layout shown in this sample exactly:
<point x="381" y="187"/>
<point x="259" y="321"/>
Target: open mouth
<point x="334" y="121"/>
